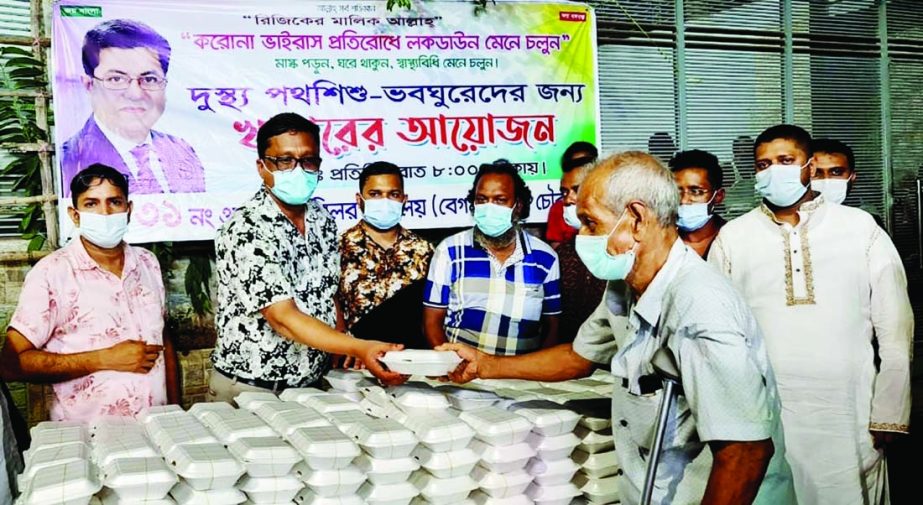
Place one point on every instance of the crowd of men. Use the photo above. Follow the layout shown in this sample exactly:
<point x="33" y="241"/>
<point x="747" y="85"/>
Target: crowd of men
<point x="792" y="339"/>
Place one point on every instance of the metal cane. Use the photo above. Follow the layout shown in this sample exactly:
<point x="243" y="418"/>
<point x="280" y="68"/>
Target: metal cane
<point x="665" y="366"/>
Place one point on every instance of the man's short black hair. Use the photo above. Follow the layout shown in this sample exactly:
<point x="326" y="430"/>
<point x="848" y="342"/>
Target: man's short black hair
<point x="796" y="134"/>
<point x="123" y="34"/>
<point x="379" y="168"/>
<point x="94" y="175"/>
<point x="284" y="123"/>
<point x="578" y="154"/>
<point x="696" y="158"/>
<point x="832" y="146"/>
<point x="503" y="167"/>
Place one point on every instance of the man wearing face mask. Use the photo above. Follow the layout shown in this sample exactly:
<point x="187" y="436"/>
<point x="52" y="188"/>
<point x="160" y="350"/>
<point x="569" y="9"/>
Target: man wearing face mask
<point x="90" y="318"/>
<point x="723" y="443"/>
<point x="824" y="281"/>
<point x="379" y="257"/>
<point x="701" y="187"/>
<point x="494" y="286"/>
<point x="278" y="273"/>
<point x="834" y="169"/>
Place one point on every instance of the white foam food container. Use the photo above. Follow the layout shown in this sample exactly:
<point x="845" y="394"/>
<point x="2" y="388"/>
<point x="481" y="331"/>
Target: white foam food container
<point x="383" y="438"/>
<point x="547" y="418"/>
<point x="419" y="401"/>
<point x="338" y="482"/>
<point x="246" y="425"/>
<point x="346" y="418"/>
<point x="270" y="489"/>
<point x="201" y="408"/>
<point x="401" y="493"/>
<point x="419" y="500"/>
<point x="139" y="479"/>
<point x="56" y="437"/>
<point x="113" y="426"/>
<point x="149" y="414"/>
<point x="192" y="433"/>
<point x="299" y="395"/>
<point x="503" y="458"/>
<point x="286" y="422"/>
<point x="595" y="423"/>
<point x="205" y="466"/>
<point x="481" y="498"/>
<point x="324" y="447"/>
<point x="436" y="490"/>
<point x="264" y="456"/>
<point x="551" y="473"/>
<point x="328" y="403"/>
<point x="440" y="431"/>
<point x="598" y="465"/>
<point x="497" y="426"/>
<point x="446" y="465"/>
<point x="552" y="447"/>
<point x="600" y="491"/>
<point x="185" y="494"/>
<point x="469" y="399"/>
<point x="594" y="441"/>
<point x="353" y="396"/>
<point x="110" y="497"/>
<point x="250" y="400"/>
<point x="421" y="362"/>
<point x="501" y="485"/>
<point x="106" y="450"/>
<point x="268" y="411"/>
<point x="560" y="494"/>
<point x="387" y="471"/>
<point x="308" y="497"/>
<point x="68" y="483"/>
<point x="348" y="381"/>
<point x="54" y="425"/>
<point x="39" y="459"/>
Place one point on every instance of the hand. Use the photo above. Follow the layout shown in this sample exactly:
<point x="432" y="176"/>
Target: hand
<point x="135" y="356"/>
<point x="471" y="365"/>
<point x="882" y="439"/>
<point x="370" y="351"/>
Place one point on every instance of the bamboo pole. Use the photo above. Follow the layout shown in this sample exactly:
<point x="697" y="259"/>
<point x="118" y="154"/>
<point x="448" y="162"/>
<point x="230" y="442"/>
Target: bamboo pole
<point x="27" y="200"/>
<point x="21" y="257"/>
<point x="24" y="40"/>
<point x="41" y="119"/>
<point x="23" y="93"/>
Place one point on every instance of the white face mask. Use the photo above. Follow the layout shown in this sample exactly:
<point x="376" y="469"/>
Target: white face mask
<point x="834" y="190"/>
<point x="106" y="231"/>
<point x="781" y="184"/>
<point x="570" y="216"/>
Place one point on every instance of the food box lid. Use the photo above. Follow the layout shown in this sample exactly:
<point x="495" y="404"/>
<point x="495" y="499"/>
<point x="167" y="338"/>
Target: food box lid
<point x="43" y="457"/>
<point x="327" y="403"/>
<point x="210" y="460"/>
<point x="541" y="468"/>
<point x="52" y="437"/>
<point x="202" y="407"/>
<point x="348" y="476"/>
<point x="184" y="494"/>
<point x="299" y="395"/>
<point x="595" y="461"/>
<point x="439" y="428"/>
<point x="553" y="443"/>
<point x="547" y="416"/>
<point x="151" y="413"/>
<point x="381" y="433"/>
<point x="493" y="480"/>
<point x="61" y="483"/>
<point x="496" y="454"/>
<point x="324" y="442"/>
<point x="445" y="460"/>
<point x="430" y="399"/>
<point x="133" y="472"/>
<point x="345" y="418"/>
<point x="269" y="410"/>
<point x="433" y="486"/>
<point x="248" y="425"/>
<point x="421" y="362"/>
<point x="263" y="450"/>
<point x="370" y="465"/>
<point x="495" y="423"/>
<point x="250" y="400"/>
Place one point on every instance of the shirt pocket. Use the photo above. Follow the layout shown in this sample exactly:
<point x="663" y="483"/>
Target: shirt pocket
<point x="531" y="298"/>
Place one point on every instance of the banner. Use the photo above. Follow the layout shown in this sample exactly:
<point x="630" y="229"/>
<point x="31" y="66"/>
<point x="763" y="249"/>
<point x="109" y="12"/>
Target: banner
<point x="172" y="93"/>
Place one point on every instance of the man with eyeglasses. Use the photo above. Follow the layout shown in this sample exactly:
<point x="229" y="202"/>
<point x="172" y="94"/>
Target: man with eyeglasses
<point x="701" y="189"/>
<point x="278" y="275"/>
<point x="126" y="63"/>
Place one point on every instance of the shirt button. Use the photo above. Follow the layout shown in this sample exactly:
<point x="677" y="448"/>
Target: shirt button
<point x="624" y="423"/>
<point x="798" y="270"/>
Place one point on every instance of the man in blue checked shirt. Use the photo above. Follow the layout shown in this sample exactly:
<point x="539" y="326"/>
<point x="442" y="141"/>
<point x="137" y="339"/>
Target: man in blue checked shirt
<point x="494" y="286"/>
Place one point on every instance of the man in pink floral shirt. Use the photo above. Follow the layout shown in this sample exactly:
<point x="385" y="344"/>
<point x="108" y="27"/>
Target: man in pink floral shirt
<point x="90" y="318"/>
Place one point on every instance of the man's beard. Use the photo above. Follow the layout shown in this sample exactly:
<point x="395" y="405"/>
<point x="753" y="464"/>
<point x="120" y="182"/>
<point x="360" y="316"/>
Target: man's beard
<point x="498" y="242"/>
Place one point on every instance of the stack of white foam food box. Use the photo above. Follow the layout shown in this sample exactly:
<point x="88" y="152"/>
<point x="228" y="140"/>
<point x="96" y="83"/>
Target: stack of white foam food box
<point x="599" y="467"/>
<point x="207" y="471"/>
<point x="58" y="466"/>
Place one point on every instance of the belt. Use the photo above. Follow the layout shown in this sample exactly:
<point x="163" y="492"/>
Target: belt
<point x="274" y="386"/>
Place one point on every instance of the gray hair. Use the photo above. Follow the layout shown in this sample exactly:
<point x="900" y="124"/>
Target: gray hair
<point x="636" y="175"/>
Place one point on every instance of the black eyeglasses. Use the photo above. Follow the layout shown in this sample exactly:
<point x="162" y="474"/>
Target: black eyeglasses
<point x="123" y="82"/>
<point x="308" y="163"/>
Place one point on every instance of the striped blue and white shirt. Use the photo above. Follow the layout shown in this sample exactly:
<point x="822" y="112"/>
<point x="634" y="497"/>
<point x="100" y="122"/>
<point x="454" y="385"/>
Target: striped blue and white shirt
<point x="496" y="307"/>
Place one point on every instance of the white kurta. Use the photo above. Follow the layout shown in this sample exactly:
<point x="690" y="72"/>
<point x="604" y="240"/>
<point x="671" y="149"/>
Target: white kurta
<point x="822" y="291"/>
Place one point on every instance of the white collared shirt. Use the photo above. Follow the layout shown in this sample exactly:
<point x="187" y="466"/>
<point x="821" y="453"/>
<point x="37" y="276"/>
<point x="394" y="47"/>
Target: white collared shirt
<point x="124" y="147"/>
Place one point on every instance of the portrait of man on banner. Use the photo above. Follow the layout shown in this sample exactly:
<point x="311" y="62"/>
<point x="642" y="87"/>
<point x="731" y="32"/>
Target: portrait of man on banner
<point x="125" y="66"/>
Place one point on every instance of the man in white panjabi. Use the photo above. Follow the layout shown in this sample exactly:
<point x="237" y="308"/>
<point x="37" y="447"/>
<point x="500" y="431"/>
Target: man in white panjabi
<point x="824" y="281"/>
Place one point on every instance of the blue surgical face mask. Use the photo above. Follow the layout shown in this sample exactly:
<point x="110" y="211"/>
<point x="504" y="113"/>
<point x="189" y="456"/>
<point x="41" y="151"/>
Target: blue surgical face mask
<point x="493" y="220"/>
<point x="781" y="184"/>
<point x="693" y="216"/>
<point x="834" y="190"/>
<point x="295" y="186"/>
<point x="382" y="213"/>
<point x="570" y="216"/>
<point x="592" y="252"/>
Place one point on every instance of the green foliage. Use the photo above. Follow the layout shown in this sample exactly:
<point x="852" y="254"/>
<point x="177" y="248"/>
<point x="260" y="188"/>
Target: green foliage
<point x="198" y="274"/>
<point x="20" y="70"/>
